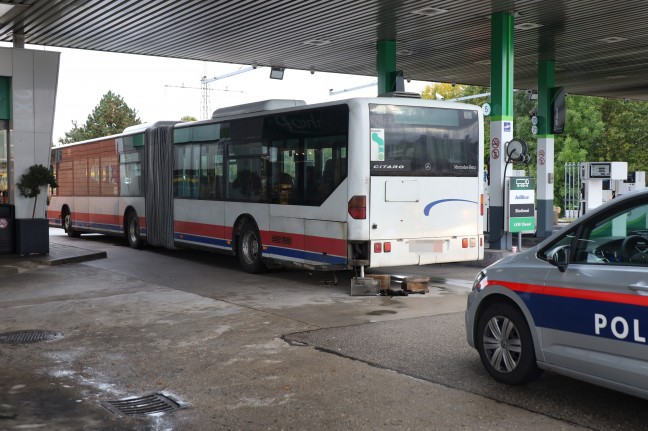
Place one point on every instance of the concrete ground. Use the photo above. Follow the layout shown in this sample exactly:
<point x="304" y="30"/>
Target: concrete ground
<point x="216" y="340"/>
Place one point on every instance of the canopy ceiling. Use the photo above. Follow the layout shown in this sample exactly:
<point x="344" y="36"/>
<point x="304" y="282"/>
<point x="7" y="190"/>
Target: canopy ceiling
<point x="600" y="46"/>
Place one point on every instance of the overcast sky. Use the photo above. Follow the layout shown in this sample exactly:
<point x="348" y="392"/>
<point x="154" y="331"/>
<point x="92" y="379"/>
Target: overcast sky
<point x="153" y="86"/>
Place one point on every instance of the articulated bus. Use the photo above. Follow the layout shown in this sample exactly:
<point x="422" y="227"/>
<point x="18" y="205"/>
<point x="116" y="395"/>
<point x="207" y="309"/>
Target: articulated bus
<point x="366" y="182"/>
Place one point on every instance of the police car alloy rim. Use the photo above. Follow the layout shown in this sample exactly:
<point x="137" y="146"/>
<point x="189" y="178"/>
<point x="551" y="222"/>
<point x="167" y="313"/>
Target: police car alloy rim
<point x="502" y="344"/>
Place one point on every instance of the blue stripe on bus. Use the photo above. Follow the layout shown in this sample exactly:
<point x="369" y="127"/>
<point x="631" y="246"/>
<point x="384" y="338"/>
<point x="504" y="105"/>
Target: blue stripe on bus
<point x="305" y="255"/>
<point x="270" y="250"/>
<point x="112" y="228"/>
<point x="429" y="206"/>
<point x="98" y="226"/>
<point x="197" y="239"/>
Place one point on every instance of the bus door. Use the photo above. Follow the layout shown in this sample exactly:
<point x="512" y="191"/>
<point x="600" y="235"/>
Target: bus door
<point x="325" y="193"/>
<point x="285" y="239"/>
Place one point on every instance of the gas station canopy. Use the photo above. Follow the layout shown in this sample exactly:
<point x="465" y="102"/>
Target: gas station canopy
<point x="600" y="47"/>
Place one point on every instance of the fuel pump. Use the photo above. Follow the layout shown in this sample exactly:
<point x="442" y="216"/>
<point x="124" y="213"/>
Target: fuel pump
<point x="596" y="176"/>
<point x="635" y="181"/>
<point x="519" y="212"/>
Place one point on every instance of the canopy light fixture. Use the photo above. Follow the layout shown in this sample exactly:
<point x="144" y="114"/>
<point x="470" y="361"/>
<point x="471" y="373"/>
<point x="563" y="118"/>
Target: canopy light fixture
<point x="429" y="11"/>
<point x="527" y="26"/>
<point x="317" y="42"/>
<point x="276" y="72"/>
<point x="612" y="39"/>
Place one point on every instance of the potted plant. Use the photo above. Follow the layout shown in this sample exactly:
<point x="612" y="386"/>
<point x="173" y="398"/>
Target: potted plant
<point x="32" y="235"/>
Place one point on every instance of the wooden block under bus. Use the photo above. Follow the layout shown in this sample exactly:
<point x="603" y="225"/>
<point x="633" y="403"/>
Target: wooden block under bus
<point x="383" y="280"/>
<point x="416" y="284"/>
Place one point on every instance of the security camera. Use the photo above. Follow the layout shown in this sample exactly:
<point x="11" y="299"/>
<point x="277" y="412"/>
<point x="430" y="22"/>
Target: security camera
<point x="454" y="83"/>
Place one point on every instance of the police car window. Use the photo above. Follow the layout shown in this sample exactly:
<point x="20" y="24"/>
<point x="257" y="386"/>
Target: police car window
<point x="619" y="239"/>
<point x="564" y="241"/>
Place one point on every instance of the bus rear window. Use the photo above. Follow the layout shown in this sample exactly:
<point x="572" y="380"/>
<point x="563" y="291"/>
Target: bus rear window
<point x="420" y="141"/>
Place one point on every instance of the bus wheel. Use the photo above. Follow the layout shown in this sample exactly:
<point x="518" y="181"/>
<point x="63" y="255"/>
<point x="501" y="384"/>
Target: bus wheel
<point x="249" y="249"/>
<point x="133" y="231"/>
<point x="67" y="225"/>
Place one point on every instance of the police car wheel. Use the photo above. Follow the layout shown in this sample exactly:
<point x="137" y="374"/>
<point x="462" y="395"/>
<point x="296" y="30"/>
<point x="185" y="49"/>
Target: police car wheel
<point x="505" y="345"/>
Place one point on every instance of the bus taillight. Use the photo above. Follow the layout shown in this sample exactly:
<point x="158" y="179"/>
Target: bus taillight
<point x="358" y="207"/>
<point x="481" y="204"/>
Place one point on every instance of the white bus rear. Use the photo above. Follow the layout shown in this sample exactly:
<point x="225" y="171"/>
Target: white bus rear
<point x="420" y="166"/>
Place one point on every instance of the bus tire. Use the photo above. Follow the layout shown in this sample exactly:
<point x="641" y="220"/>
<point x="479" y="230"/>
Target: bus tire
<point x="133" y="231"/>
<point x="249" y="249"/>
<point x="67" y="224"/>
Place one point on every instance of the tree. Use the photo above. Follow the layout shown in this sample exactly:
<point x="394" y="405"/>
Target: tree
<point x="31" y="182"/>
<point x="187" y="118"/>
<point x="111" y="116"/>
<point x="445" y="91"/>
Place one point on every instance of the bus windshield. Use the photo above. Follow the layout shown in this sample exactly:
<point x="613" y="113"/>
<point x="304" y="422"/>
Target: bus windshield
<point x="422" y="141"/>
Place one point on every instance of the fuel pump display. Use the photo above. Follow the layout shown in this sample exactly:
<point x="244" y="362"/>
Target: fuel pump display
<point x="593" y="174"/>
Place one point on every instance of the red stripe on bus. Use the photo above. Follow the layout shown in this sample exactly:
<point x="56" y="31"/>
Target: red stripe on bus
<point x="202" y="229"/>
<point x="593" y="295"/>
<point x="315" y="244"/>
<point x="106" y="219"/>
<point x="77" y="216"/>
<point x="101" y="218"/>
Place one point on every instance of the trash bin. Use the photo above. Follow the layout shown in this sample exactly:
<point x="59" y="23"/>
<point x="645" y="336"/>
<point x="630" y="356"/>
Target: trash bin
<point x="7" y="228"/>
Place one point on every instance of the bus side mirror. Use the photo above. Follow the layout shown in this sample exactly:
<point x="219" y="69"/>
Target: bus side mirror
<point x="560" y="257"/>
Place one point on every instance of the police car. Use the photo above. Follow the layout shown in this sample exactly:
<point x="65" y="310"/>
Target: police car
<point x="576" y="304"/>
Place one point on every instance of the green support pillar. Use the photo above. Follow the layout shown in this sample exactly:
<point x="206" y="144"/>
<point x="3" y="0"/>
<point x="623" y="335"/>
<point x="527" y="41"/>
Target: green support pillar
<point x="386" y="66"/>
<point x="501" y="124"/>
<point x="5" y="98"/>
<point x="545" y="154"/>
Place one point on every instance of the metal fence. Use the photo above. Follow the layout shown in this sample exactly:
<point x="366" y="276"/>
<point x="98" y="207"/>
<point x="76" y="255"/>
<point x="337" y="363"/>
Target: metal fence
<point x="573" y="192"/>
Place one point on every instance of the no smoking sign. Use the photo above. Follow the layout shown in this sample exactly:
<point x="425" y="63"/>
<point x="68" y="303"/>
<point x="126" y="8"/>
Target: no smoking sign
<point x="541" y="157"/>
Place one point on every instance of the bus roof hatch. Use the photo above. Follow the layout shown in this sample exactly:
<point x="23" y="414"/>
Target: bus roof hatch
<point x="264" y="105"/>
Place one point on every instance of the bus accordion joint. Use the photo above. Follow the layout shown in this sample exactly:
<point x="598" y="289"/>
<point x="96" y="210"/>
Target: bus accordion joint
<point x="358" y="207"/>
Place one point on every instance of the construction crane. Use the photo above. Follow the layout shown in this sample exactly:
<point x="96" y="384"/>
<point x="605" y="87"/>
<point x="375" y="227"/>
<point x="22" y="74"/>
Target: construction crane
<point x="204" y="87"/>
<point x="204" y="96"/>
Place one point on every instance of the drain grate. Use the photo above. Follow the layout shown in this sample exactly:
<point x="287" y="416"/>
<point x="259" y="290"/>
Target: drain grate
<point x="29" y="336"/>
<point x="144" y="405"/>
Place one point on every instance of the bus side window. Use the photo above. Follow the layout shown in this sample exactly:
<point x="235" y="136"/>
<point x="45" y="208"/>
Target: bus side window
<point x="310" y="189"/>
<point x="333" y="174"/>
<point x="328" y="178"/>
<point x="210" y="171"/>
<point x="284" y="188"/>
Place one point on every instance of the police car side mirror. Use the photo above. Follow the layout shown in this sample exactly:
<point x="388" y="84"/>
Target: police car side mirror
<point x="560" y="257"/>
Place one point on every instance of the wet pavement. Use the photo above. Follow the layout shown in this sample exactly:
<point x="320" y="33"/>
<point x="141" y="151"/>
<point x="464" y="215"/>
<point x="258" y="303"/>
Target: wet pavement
<point x="59" y="254"/>
<point x="193" y="326"/>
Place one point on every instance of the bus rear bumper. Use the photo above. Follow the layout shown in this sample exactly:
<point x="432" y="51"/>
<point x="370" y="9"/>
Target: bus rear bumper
<point x="385" y="253"/>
